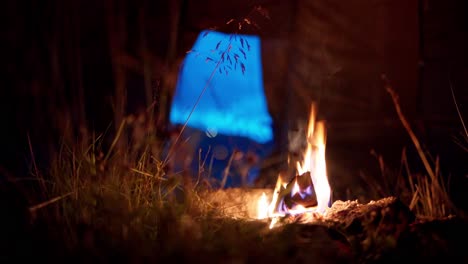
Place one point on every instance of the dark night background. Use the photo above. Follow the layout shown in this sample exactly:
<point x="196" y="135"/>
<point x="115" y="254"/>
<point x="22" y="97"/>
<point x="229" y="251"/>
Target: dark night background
<point x="76" y="66"/>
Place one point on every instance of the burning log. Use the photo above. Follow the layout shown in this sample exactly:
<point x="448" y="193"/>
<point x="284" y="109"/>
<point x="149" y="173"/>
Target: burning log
<point x="299" y="191"/>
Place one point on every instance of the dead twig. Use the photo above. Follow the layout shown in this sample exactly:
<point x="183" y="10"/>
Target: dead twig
<point x="408" y="128"/>
<point x="119" y="132"/>
<point x="226" y="170"/>
<point x="148" y="174"/>
<point x="33" y="209"/>
<point x="456" y="106"/>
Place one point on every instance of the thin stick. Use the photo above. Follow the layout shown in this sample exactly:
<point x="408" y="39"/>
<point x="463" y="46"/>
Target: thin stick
<point x="115" y="139"/>
<point x="460" y="144"/>
<point x="456" y="106"/>
<point x="408" y="129"/>
<point x="36" y="171"/>
<point x="414" y="199"/>
<point x="51" y="201"/>
<point x="226" y="170"/>
<point x="201" y="166"/>
<point x="148" y="174"/>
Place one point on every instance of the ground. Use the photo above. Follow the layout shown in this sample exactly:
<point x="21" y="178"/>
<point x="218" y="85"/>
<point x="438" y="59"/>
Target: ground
<point x="378" y="232"/>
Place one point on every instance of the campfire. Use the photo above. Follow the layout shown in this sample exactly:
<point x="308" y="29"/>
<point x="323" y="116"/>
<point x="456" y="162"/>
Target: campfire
<point x="301" y="207"/>
<point x="308" y="194"/>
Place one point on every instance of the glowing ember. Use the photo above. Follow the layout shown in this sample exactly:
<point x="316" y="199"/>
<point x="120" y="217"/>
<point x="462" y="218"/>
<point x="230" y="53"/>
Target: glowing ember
<point x="313" y="166"/>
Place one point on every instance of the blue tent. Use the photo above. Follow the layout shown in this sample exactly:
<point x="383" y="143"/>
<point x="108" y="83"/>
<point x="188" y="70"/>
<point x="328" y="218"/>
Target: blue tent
<point x="226" y="70"/>
<point x="234" y="102"/>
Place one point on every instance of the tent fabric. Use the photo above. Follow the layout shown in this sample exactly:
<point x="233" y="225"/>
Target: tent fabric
<point x="233" y="103"/>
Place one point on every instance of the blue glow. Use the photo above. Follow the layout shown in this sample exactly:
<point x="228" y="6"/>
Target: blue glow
<point x="234" y="102"/>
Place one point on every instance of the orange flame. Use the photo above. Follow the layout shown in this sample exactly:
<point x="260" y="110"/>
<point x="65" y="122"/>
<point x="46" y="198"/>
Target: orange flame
<point x="313" y="162"/>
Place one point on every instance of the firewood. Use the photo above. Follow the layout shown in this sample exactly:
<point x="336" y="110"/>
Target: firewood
<point x="305" y="183"/>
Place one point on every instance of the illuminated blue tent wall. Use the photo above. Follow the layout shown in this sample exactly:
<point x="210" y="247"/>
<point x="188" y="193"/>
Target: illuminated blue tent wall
<point x="233" y="103"/>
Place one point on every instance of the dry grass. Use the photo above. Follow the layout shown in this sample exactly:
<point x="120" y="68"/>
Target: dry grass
<point x="85" y="183"/>
<point x="124" y="204"/>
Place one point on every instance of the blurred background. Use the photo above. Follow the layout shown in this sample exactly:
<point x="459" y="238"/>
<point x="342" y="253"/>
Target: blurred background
<point x="73" y="70"/>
